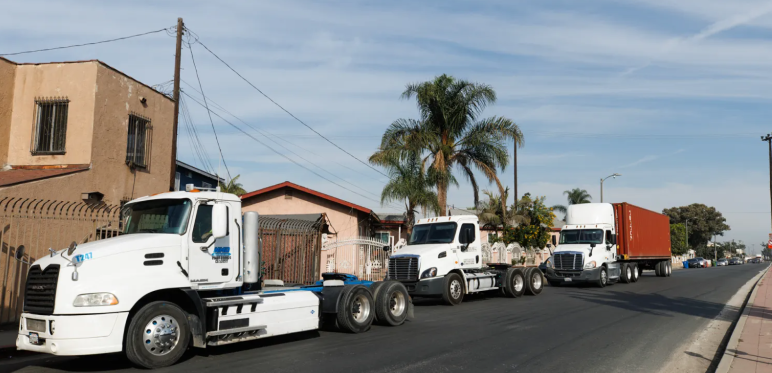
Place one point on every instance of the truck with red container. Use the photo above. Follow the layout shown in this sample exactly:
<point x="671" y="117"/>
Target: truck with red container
<point x="604" y="243"/>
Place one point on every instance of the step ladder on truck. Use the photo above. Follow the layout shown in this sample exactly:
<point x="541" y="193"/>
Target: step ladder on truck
<point x="184" y="272"/>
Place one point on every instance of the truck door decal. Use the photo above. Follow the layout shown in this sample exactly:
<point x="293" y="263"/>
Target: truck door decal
<point x="221" y="254"/>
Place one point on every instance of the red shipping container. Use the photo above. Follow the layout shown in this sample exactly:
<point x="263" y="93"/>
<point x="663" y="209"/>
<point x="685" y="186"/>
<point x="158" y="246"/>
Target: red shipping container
<point x="641" y="233"/>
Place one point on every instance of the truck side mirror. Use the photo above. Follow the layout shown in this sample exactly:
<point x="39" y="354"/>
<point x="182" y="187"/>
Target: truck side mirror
<point x="19" y="255"/>
<point x="386" y="248"/>
<point x="219" y="220"/>
<point x="554" y="241"/>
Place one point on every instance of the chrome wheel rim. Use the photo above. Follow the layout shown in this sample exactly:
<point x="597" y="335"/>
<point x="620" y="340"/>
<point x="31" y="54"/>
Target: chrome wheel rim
<point x="397" y="303"/>
<point x="536" y="280"/>
<point x="160" y="335"/>
<point x="455" y="289"/>
<point x="360" y="308"/>
<point x="603" y="278"/>
<point x="519" y="283"/>
<point x="629" y="273"/>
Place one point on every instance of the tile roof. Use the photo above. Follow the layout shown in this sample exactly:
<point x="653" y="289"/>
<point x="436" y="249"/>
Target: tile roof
<point x="20" y="176"/>
<point x="288" y="184"/>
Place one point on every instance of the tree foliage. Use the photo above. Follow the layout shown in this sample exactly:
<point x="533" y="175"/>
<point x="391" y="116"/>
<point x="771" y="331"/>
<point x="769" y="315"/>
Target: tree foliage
<point x="490" y="211"/>
<point x="678" y="239"/>
<point x="704" y="222"/>
<point x="533" y="228"/>
<point x="233" y="187"/>
<point x="450" y="133"/>
<point x="574" y="196"/>
<point x="408" y="183"/>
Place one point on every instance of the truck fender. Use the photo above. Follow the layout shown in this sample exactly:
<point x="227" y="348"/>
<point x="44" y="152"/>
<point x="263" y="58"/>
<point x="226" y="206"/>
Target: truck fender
<point x="329" y="298"/>
<point x="197" y="324"/>
<point x="463" y="277"/>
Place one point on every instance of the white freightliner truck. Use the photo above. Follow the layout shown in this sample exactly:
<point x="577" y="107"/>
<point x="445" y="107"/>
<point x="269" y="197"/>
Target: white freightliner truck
<point x="603" y="243"/>
<point x="443" y="258"/>
<point x="177" y="276"/>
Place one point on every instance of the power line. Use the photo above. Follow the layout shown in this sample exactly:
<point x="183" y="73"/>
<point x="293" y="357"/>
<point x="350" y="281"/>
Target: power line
<point x="85" y="44"/>
<point x="201" y="152"/>
<point x="279" y="153"/>
<point x="287" y="111"/>
<point x="209" y="113"/>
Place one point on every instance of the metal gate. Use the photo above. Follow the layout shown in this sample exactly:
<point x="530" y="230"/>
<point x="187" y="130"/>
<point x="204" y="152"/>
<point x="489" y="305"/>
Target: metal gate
<point x="290" y="249"/>
<point x="363" y="257"/>
<point x="40" y="224"/>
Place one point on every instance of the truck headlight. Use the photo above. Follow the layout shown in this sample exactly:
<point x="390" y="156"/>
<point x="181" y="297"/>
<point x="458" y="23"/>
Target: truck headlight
<point x="590" y="265"/>
<point x="549" y="263"/>
<point x="95" y="299"/>
<point x="431" y="272"/>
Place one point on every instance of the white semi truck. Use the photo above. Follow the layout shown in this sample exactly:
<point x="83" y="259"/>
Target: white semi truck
<point x="177" y="276"/>
<point x="443" y="258"/>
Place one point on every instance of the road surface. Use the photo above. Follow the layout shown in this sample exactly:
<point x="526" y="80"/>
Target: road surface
<point x="621" y="328"/>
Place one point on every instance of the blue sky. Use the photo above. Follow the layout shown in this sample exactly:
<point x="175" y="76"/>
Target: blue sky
<point x="671" y="94"/>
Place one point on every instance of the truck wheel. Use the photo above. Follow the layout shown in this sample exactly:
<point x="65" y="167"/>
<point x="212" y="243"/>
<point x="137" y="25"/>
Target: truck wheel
<point x="454" y="289"/>
<point x="355" y="309"/>
<point x="603" y="278"/>
<point x="626" y="273"/>
<point x="658" y="269"/>
<point x="534" y="281"/>
<point x="669" y="268"/>
<point x="391" y="303"/>
<point x="375" y="287"/>
<point x="158" y="335"/>
<point x="514" y="284"/>
<point x="635" y="272"/>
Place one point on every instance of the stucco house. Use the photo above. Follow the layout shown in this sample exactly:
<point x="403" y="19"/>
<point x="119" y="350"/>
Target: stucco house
<point x="80" y="130"/>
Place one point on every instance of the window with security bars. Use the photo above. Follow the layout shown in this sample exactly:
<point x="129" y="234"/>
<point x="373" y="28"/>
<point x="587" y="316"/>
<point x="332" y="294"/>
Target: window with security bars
<point x="50" y="126"/>
<point x="138" y="144"/>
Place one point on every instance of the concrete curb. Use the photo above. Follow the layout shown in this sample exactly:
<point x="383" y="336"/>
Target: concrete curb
<point x="726" y="360"/>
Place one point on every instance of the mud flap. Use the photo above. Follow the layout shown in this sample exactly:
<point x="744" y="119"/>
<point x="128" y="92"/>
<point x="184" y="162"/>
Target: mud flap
<point x="410" y="313"/>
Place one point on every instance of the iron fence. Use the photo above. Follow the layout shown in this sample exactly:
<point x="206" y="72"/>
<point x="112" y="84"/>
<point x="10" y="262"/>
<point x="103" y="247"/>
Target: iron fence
<point x="363" y="257"/>
<point x="40" y="224"/>
<point x="291" y="249"/>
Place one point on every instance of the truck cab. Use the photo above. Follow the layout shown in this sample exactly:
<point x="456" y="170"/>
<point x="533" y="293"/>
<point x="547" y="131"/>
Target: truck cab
<point x="184" y="271"/>
<point x="443" y="258"/>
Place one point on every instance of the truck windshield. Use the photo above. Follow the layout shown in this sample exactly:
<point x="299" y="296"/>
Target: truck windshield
<point x="433" y="233"/>
<point x="574" y="236"/>
<point x="157" y="216"/>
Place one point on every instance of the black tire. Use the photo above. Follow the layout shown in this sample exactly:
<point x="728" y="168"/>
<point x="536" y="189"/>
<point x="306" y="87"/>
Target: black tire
<point x="636" y="272"/>
<point x="391" y="303"/>
<point x="138" y="335"/>
<point x="602" y="278"/>
<point x="514" y="283"/>
<point x="669" y="266"/>
<point x="534" y="281"/>
<point x="453" y="294"/>
<point x="355" y="309"/>
<point x="375" y="287"/>
<point x="626" y="273"/>
<point x="658" y="269"/>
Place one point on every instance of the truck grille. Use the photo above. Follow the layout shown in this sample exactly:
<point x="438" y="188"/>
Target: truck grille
<point x="569" y="261"/>
<point x="40" y="291"/>
<point x="403" y="268"/>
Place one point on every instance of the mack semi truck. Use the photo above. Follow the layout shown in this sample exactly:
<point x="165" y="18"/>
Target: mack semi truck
<point x="604" y="243"/>
<point x="185" y="271"/>
<point x="443" y="259"/>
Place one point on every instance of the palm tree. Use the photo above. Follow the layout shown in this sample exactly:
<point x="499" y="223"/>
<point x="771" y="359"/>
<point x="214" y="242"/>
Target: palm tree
<point x="575" y="196"/>
<point x="409" y="183"/>
<point x="233" y="187"/>
<point x="489" y="212"/>
<point x="450" y="133"/>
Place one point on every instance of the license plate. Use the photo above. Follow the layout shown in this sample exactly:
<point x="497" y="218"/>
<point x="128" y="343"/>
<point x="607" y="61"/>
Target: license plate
<point x="36" y="325"/>
<point x="568" y="279"/>
<point x="33" y="338"/>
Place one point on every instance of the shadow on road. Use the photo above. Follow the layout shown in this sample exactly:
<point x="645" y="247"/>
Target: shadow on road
<point x="659" y="305"/>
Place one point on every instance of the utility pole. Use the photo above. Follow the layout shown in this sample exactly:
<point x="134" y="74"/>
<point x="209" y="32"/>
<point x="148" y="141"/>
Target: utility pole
<point x="768" y="139"/>
<point x="687" y="236"/>
<point x="515" y="158"/>
<point x="176" y="98"/>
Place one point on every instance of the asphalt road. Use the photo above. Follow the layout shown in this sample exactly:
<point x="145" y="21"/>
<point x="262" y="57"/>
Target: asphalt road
<point x="621" y="328"/>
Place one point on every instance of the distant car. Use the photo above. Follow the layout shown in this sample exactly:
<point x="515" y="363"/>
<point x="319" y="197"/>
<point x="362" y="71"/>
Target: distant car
<point x="722" y="262"/>
<point x="734" y="261"/>
<point x="703" y="262"/>
<point x="694" y="263"/>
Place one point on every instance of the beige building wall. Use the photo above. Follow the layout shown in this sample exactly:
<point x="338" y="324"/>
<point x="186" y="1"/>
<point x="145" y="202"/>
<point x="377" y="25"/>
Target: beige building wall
<point x="7" y="83"/>
<point x="101" y="99"/>
<point x="74" y="81"/>
<point x="347" y="222"/>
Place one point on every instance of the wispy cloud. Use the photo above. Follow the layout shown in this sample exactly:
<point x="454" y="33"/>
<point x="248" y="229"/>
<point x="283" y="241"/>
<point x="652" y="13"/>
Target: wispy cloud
<point x="650" y="158"/>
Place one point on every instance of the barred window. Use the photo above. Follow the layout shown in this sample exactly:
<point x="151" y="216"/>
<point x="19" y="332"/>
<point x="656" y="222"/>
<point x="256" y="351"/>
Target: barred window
<point x="50" y="125"/>
<point x="138" y="144"/>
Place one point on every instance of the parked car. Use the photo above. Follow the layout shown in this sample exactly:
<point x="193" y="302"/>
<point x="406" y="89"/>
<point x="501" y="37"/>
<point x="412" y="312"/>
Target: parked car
<point x="694" y="263"/>
<point x="722" y="262"/>
<point x="735" y="261"/>
<point x="703" y="262"/>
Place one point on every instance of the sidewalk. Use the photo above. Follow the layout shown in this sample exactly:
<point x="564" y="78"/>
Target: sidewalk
<point x="750" y="347"/>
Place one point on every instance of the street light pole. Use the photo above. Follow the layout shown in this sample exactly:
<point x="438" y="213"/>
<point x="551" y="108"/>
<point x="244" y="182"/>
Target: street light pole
<point x="687" y="236"/>
<point x="615" y="176"/>
<point x="768" y="139"/>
